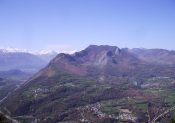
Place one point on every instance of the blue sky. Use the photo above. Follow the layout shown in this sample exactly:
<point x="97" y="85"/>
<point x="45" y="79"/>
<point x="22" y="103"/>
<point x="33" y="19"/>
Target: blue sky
<point x="74" y="24"/>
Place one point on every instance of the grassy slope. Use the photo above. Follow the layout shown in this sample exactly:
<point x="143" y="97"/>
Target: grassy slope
<point x="59" y="94"/>
<point x="57" y="98"/>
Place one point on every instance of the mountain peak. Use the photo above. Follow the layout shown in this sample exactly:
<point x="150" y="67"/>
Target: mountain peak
<point x="92" y="50"/>
<point x="102" y="47"/>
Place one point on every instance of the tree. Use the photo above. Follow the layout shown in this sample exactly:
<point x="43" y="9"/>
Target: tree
<point x="172" y="120"/>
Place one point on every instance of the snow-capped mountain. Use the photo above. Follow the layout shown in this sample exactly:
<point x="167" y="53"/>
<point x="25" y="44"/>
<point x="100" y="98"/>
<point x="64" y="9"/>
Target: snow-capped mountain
<point x="35" y="52"/>
<point x="26" y="60"/>
<point x="21" y="59"/>
<point x="17" y="50"/>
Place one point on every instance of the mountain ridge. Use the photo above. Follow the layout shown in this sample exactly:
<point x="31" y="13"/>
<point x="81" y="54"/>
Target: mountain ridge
<point x="90" y="80"/>
<point x="23" y="61"/>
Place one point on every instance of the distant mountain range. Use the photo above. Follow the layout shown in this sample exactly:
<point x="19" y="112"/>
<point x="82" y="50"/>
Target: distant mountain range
<point x="15" y="50"/>
<point x="99" y="84"/>
<point x="14" y="74"/>
<point x="23" y="61"/>
<point x="35" y="52"/>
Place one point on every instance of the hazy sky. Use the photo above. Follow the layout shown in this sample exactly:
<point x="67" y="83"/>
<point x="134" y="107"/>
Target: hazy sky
<point x="74" y="24"/>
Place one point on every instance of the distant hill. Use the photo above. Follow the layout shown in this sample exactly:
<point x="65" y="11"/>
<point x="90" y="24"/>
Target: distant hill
<point x="98" y="84"/>
<point x="23" y="61"/>
<point x="14" y="74"/>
